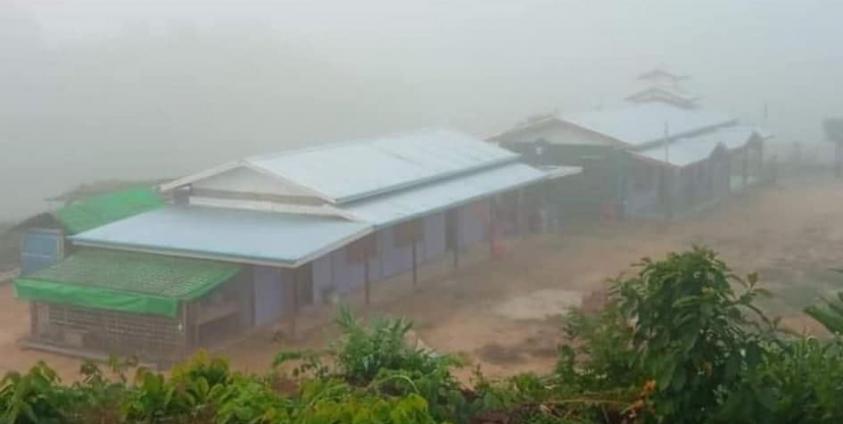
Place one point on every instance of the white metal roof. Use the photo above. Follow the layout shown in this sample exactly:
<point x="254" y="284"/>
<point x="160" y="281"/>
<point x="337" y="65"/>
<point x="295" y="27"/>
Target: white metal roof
<point x="227" y="234"/>
<point x="438" y="196"/>
<point x="350" y="171"/>
<point x="643" y="123"/>
<point x="686" y="151"/>
<point x="664" y="90"/>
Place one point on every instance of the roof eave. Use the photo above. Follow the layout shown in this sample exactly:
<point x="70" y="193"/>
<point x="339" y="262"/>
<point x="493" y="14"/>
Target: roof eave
<point x="233" y="258"/>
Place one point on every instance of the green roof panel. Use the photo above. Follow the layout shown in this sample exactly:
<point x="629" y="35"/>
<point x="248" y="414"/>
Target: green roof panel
<point x="106" y="208"/>
<point x="123" y="281"/>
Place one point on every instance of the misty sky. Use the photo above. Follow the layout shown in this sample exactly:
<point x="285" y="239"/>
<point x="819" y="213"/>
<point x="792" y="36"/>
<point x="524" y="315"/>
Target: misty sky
<point x="103" y="89"/>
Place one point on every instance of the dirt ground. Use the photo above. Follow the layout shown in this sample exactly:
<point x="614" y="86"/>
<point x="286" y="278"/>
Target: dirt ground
<point x="504" y="316"/>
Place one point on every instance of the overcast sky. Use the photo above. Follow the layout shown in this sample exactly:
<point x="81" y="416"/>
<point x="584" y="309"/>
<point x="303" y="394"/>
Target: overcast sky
<point x="100" y="89"/>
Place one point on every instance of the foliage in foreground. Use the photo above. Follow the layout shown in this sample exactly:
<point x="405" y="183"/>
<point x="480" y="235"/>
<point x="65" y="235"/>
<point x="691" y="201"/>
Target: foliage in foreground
<point x="681" y="341"/>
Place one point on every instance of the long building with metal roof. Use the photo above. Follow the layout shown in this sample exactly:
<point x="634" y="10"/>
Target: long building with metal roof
<point x="300" y="227"/>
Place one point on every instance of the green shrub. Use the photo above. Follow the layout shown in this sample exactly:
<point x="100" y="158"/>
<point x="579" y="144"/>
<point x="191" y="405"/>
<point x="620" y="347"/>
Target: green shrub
<point x="34" y="397"/>
<point x="599" y="353"/>
<point x="677" y="343"/>
<point x="693" y="334"/>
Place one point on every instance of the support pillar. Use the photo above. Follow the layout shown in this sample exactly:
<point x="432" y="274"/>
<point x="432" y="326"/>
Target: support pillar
<point x="728" y="173"/>
<point x="838" y="159"/>
<point x="745" y="167"/>
<point x="520" y="213"/>
<point x="33" y="320"/>
<point x="665" y="192"/>
<point x="415" y="263"/>
<point x="455" y="234"/>
<point x="185" y="325"/>
<point x="295" y="303"/>
<point x="456" y="256"/>
<point x="368" y="279"/>
<point x="194" y="324"/>
<point x="492" y="230"/>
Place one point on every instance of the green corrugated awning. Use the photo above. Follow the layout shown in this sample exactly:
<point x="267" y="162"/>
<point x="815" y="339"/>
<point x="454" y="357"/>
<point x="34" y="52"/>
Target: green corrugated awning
<point x="106" y="208"/>
<point x="123" y="281"/>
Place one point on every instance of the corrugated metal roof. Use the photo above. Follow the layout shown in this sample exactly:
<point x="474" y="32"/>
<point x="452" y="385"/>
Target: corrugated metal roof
<point x="124" y="281"/>
<point x="227" y="234"/>
<point x="639" y="124"/>
<point x="686" y="151"/>
<point x="435" y="197"/>
<point x="730" y="137"/>
<point x="102" y="209"/>
<point x="350" y="171"/>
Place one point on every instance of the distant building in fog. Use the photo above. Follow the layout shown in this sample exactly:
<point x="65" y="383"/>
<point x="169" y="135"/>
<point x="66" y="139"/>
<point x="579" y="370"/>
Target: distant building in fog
<point x="657" y="153"/>
<point x="662" y="86"/>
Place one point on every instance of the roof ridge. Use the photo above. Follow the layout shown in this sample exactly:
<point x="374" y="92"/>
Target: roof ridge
<point x="339" y="143"/>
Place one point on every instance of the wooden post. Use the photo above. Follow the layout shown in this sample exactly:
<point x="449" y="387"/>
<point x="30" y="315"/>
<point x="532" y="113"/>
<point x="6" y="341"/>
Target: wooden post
<point x="520" y="216"/>
<point x="728" y="173"/>
<point x="455" y="234"/>
<point x="745" y="167"/>
<point x="491" y="230"/>
<point x="33" y="320"/>
<point x="664" y="192"/>
<point x="193" y="317"/>
<point x="368" y="279"/>
<point x="296" y="275"/>
<point x="456" y="255"/>
<point x="415" y="263"/>
<point x="185" y="328"/>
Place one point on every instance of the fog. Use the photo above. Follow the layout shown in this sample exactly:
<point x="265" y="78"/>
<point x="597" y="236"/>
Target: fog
<point x="118" y="89"/>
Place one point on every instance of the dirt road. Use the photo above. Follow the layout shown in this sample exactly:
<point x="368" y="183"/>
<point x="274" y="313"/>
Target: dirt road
<point x="504" y="316"/>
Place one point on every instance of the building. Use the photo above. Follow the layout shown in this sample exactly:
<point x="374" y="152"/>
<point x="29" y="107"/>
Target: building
<point x="41" y="238"/>
<point x="255" y="241"/>
<point x="659" y="153"/>
<point x="659" y="85"/>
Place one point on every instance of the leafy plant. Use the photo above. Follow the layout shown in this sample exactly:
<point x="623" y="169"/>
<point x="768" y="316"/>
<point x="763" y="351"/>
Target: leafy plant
<point x="693" y="334"/>
<point x="599" y="353"/>
<point x="800" y="381"/>
<point x="829" y="314"/>
<point x="681" y="341"/>
<point x="364" y="351"/>
<point x="34" y="397"/>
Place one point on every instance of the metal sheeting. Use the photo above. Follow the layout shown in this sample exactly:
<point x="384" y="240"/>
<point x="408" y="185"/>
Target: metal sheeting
<point x="644" y="123"/>
<point x="389" y="209"/>
<point x="227" y="234"/>
<point x="691" y="150"/>
<point x="354" y="170"/>
<point x="730" y="137"/>
<point x="123" y="281"/>
<point x="105" y="208"/>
